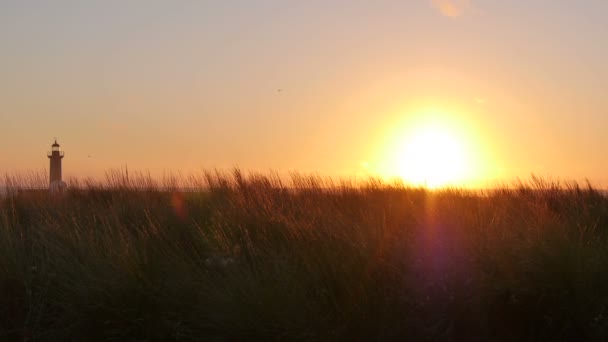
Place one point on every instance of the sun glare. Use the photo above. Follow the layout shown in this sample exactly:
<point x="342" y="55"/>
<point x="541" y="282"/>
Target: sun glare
<point x="431" y="153"/>
<point x="432" y="157"/>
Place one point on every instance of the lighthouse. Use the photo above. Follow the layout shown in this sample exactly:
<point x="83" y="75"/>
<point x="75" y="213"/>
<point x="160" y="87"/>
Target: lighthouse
<point x="55" y="156"/>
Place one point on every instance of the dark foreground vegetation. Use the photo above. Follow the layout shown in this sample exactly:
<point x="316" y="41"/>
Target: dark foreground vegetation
<point x="247" y="257"/>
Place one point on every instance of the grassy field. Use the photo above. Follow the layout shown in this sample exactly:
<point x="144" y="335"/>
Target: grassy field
<point x="241" y="257"/>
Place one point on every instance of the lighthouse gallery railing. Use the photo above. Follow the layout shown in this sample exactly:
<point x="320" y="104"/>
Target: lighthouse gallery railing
<point x="49" y="154"/>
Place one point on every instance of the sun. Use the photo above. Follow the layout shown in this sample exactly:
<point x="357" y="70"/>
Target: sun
<point x="432" y="149"/>
<point x="432" y="156"/>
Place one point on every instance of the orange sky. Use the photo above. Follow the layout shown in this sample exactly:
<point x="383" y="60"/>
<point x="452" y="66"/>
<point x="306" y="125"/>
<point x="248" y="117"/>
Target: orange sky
<point x="160" y="86"/>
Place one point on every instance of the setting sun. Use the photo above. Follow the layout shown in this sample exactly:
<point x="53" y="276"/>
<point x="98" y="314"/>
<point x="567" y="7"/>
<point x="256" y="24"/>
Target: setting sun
<point x="432" y="157"/>
<point x="433" y="149"/>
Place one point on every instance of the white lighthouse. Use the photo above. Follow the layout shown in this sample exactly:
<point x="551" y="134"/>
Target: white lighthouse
<point x="55" y="156"/>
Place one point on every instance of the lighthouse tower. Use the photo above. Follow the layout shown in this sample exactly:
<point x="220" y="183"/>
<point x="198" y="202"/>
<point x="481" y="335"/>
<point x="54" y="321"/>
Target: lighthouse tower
<point x="55" y="156"/>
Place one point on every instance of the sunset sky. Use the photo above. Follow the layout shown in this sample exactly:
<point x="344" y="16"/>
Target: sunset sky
<point x="334" y="87"/>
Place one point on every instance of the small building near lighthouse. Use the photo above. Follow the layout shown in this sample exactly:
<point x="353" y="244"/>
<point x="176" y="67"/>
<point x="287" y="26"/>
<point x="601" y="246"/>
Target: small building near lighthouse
<point x="56" y="184"/>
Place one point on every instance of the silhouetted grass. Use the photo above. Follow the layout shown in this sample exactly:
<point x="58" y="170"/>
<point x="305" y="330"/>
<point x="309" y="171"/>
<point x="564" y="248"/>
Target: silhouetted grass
<point x="241" y="257"/>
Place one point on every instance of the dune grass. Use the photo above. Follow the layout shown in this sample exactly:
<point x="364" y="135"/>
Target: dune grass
<point x="241" y="257"/>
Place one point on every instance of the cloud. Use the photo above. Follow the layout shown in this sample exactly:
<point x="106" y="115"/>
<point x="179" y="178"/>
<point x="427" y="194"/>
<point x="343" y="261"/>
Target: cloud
<point x="452" y="8"/>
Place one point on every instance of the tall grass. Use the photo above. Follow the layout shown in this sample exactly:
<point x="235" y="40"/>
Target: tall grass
<point x="254" y="257"/>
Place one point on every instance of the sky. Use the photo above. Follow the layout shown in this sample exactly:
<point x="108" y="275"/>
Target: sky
<point x="325" y="86"/>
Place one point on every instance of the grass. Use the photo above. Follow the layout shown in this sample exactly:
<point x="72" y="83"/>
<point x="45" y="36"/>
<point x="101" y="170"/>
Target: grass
<point x="241" y="257"/>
